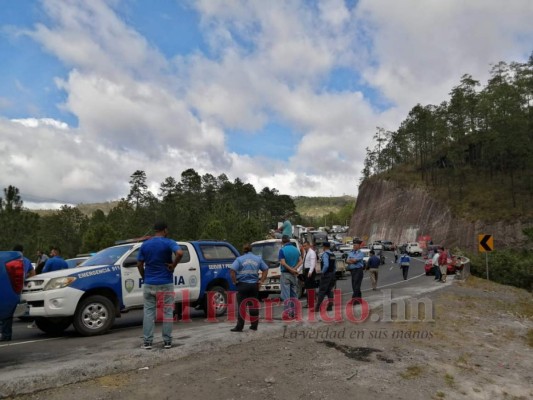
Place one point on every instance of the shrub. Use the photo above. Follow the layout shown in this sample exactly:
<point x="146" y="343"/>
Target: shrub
<point x="508" y="267"/>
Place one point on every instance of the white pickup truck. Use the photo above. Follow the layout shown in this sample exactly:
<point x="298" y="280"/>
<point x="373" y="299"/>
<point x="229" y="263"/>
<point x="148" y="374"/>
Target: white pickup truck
<point x="413" y="249"/>
<point x="93" y="294"/>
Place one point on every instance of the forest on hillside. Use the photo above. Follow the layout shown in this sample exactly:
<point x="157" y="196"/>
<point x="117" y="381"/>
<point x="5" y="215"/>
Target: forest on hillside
<point x="474" y="151"/>
<point x="197" y="206"/>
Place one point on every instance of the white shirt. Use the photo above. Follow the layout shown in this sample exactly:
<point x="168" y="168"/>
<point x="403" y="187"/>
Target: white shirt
<point x="435" y="259"/>
<point x="309" y="261"/>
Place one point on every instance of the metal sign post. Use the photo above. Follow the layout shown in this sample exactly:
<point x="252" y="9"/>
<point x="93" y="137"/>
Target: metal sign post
<point x="487" y="263"/>
<point x="486" y="245"/>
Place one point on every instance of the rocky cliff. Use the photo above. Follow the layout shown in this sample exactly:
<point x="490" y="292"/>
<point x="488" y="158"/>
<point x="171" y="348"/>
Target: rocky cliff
<point x="385" y="211"/>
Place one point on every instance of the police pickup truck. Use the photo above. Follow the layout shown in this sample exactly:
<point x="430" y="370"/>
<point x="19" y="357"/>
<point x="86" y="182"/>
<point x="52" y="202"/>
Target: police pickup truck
<point x="92" y="295"/>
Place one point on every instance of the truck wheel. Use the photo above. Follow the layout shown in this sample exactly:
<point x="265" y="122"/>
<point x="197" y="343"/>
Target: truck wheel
<point x="53" y="326"/>
<point x="94" y="315"/>
<point x="220" y="301"/>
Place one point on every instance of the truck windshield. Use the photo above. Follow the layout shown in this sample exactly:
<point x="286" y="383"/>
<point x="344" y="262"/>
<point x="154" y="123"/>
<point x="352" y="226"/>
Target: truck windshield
<point x="107" y="256"/>
<point x="268" y="252"/>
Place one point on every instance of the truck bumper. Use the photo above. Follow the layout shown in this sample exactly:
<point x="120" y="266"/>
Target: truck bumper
<point x="53" y="303"/>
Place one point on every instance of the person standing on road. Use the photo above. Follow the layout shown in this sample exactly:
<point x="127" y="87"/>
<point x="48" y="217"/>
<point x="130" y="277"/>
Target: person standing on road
<point x="55" y="262"/>
<point x="156" y="267"/>
<point x="7" y="323"/>
<point x="309" y="269"/>
<point x="435" y="263"/>
<point x="328" y="261"/>
<point x="443" y="264"/>
<point x="355" y="261"/>
<point x="290" y="259"/>
<point x="396" y="254"/>
<point x="245" y="275"/>
<point x="373" y="267"/>
<point x="405" y="260"/>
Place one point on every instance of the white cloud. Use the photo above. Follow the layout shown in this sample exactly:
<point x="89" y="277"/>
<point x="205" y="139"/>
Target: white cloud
<point x="267" y="61"/>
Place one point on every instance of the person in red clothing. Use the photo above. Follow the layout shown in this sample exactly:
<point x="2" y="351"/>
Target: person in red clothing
<point x="443" y="263"/>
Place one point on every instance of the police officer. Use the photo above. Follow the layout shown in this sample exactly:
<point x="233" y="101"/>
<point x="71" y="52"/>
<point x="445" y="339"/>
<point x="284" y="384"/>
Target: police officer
<point x="245" y="275"/>
<point x="327" y="280"/>
<point x="355" y="261"/>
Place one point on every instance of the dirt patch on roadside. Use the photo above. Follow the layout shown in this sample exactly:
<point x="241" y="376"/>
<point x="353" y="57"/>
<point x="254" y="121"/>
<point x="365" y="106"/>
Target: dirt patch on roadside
<point x="478" y="346"/>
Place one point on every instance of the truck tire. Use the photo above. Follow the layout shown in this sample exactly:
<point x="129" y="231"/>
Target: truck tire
<point x="220" y="299"/>
<point x="94" y="315"/>
<point x="53" y="326"/>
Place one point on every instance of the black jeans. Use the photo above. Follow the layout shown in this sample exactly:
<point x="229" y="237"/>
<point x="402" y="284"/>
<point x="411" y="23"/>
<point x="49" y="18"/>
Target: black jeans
<point x="247" y="291"/>
<point x="438" y="275"/>
<point x="357" y="279"/>
<point x="405" y="270"/>
<point x="327" y="283"/>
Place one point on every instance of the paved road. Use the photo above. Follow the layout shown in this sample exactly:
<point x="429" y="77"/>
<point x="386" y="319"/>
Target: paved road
<point x="30" y="344"/>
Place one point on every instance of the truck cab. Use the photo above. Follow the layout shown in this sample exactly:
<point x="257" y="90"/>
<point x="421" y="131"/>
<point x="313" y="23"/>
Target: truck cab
<point x="91" y="296"/>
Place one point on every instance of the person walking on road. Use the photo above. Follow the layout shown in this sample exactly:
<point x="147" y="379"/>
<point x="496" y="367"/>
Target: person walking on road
<point x="405" y="260"/>
<point x="327" y="280"/>
<point x="7" y="323"/>
<point x="290" y="259"/>
<point x="396" y="254"/>
<point x="373" y="267"/>
<point x="245" y="275"/>
<point x="156" y="267"/>
<point x="355" y="261"/>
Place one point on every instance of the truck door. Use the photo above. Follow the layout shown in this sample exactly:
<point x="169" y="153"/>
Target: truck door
<point x="132" y="292"/>
<point x="187" y="274"/>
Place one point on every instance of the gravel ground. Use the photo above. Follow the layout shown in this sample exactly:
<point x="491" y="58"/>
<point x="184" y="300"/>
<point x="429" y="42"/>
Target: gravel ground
<point x="477" y="345"/>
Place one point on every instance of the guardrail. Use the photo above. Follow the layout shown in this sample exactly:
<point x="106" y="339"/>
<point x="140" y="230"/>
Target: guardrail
<point x="462" y="268"/>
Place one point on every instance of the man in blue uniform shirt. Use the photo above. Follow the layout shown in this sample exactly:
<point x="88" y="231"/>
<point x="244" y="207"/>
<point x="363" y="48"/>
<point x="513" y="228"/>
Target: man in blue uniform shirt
<point x="245" y="275"/>
<point x="327" y="280"/>
<point x="355" y="261"/>
<point x="55" y="262"/>
<point x="290" y="259"/>
<point x="157" y="270"/>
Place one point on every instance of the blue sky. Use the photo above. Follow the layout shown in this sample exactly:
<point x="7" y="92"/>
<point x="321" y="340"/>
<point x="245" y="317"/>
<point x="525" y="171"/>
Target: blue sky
<point x="91" y="91"/>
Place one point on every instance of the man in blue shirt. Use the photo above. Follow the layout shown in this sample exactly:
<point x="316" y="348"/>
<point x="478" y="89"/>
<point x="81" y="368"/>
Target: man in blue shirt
<point x="7" y="323"/>
<point x="404" y="265"/>
<point x="327" y="280"/>
<point x="286" y="228"/>
<point x="355" y="261"/>
<point x="373" y="266"/>
<point x="55" y="262"/>
<point x="290" y="259"/>
<point x="157" y="270"/>
<point x="245" y="275"/>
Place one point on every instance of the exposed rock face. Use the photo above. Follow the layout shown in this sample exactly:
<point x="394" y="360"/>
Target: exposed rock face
<point x="385" y="211"/>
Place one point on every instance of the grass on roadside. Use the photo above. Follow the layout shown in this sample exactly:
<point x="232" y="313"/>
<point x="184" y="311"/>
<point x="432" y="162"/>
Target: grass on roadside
<point x="412" y="372"/>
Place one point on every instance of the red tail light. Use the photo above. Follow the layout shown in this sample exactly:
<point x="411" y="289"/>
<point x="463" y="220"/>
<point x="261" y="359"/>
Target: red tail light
<point x="15" y="270"/>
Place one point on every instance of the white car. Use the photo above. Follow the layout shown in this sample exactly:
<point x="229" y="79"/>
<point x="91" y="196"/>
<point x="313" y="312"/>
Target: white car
<point x="414" y="249"/>
<point x="376" y="246"/>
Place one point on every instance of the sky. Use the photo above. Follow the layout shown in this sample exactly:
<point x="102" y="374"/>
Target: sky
<point x="281" y="94"/>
